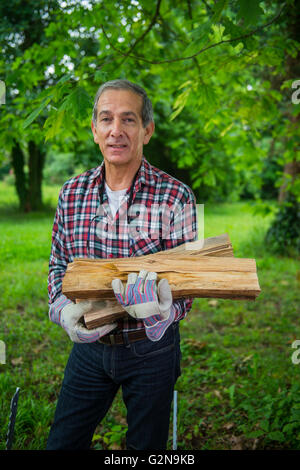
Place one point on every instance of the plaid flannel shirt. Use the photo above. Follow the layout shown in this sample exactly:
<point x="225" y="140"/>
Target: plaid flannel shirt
<point x="84" y="227"/>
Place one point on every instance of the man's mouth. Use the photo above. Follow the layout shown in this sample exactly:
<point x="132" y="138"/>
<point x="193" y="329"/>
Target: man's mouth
<point x="117" y="146"/>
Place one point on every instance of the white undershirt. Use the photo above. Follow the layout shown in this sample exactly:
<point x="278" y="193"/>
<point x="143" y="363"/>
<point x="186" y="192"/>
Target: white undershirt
<point x="114" y="198"/>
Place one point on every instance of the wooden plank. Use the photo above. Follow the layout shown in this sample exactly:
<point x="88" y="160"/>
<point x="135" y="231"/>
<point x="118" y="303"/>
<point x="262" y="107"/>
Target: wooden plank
<point x="109" y="313"/>
<point x="226" y="283"/>
<point x="211" y="246"/>
<point x="204" y="283"/>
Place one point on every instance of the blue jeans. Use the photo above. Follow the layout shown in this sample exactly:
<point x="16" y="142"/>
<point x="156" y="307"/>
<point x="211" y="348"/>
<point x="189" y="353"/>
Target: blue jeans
<point x="147" y="372"/>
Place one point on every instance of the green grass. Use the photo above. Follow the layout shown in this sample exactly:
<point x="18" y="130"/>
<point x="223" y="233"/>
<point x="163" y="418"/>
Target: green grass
<point x="239" y="388"/>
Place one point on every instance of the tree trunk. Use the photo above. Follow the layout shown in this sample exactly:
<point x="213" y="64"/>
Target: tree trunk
<point x="18" y="162"/>
<point x="291" y="172"/>
<point x="292" y="168"/>
<point x="35" y="165"/>
<point x="29" y="188"/>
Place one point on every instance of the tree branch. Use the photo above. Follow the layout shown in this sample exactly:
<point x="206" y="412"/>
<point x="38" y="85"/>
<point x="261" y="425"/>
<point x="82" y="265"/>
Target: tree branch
<point x="207" y="6"/>
<point x="155" y="62"/>
<point x="153" y="21"/>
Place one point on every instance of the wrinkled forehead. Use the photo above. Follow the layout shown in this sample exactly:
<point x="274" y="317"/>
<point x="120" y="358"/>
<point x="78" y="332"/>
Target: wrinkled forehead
<point x="120" y="102"/>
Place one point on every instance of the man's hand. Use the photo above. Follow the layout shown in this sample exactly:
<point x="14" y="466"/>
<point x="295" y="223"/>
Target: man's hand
<point x="142" y="298"/>
<point x="78" y="333"/>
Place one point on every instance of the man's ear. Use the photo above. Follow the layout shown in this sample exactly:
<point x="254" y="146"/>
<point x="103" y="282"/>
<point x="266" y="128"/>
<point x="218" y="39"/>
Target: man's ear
<point x="149" y="130"/>
<point x="94" y="132"/>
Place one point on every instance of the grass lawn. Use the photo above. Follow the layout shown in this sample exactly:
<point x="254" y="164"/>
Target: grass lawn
<point x="239" y="388"/>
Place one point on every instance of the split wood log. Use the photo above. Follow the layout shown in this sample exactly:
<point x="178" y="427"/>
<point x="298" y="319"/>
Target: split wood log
<point x="191" y="273"/>
<point x="188" y="276"/>
<point x="211" y="246"/>
<point x="109" y="313"/>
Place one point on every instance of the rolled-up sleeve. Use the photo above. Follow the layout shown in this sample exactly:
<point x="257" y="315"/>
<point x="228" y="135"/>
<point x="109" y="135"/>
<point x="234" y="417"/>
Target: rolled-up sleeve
<point x="57" y="265"/>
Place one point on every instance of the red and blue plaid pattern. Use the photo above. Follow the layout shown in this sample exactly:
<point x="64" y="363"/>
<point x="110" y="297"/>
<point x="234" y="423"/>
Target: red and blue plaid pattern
<point x="84" y="227"/>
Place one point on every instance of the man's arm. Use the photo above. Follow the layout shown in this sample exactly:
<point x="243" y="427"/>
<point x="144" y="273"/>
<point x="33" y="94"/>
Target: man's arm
<point x="63" y="311"/>
<point x="58" y="263"/>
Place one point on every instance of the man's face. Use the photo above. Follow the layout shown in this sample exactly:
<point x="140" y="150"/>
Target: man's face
<point x="119" y="131"/>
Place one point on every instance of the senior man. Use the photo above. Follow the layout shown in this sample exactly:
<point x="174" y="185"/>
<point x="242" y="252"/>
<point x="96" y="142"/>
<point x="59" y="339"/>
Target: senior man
<point x="140" y="353"/>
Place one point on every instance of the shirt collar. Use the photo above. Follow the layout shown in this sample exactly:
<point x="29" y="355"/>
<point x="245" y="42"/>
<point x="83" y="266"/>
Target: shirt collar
<point x="144" y="175"/>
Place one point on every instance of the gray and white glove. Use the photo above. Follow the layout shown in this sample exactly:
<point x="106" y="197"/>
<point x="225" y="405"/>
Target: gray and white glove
<point x="142" y="297"/>
<point x="78" y="333"/>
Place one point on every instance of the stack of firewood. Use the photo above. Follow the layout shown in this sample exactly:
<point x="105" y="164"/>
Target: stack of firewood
<point x="204" y="268"/>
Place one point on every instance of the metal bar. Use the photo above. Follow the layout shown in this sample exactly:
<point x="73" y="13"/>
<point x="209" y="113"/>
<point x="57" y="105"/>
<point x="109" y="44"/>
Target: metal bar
<point x="175" y="420"/>
<point x="12" y="419"/>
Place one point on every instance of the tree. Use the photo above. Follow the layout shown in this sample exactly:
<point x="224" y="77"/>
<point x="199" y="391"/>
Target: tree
<point x="22" y="26"/>
<point x="284" y="233"/>
<point x="209" y="67"/>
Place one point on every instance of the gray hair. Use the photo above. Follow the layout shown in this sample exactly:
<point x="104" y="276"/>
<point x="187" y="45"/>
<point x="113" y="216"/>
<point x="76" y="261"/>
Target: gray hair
<point x="147" y="111"/>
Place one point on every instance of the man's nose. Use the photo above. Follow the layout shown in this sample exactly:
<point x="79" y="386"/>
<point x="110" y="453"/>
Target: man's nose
<point x="116" y="129"/>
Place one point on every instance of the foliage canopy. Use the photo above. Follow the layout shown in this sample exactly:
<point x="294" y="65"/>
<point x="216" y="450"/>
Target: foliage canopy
<point x="220" y="75"/>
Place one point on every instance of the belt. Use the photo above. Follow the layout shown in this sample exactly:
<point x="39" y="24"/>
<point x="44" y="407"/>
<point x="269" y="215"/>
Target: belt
<point x="119" y="338"/>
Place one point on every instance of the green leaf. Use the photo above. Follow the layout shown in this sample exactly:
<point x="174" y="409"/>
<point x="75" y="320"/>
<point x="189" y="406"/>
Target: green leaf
<point x="54" y="124"/>
<point x="232" y="29"/>
<point x="295" y="415"/>
<point x="255" y="434"/>
<point x="78" y="102"/>
<point x="231" y="391"/>
<point x="249" y="11"/>
<point x="276" y="436"/>
<point x="36" y="112"/>
<point x="198" y="38"/>
<point x="64" y="78"/>
<point x="101" y="76"/>
<point x="219" y="7"/>
<point x="288" y="428"/>
<point x="180" y="103"/>
<point x="264" y="425"/>
<point x="209" y="178"/>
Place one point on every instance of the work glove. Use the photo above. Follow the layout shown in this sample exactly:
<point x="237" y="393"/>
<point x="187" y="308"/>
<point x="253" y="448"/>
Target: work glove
<point x="70" y="318"/>
<point x="142" y="297"/>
